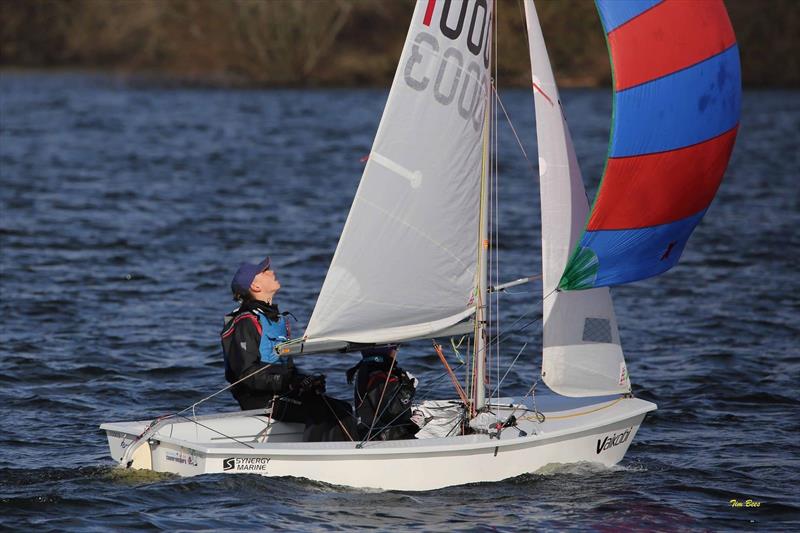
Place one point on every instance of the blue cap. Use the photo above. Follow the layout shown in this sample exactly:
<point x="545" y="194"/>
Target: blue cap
<point x="245" y="274"/>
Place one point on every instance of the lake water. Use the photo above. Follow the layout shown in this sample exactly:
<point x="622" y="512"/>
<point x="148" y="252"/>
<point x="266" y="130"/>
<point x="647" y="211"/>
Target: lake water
<point x="125" y="210"/>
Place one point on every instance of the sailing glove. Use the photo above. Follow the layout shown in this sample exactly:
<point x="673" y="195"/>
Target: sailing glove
<point x="314" y="383"/>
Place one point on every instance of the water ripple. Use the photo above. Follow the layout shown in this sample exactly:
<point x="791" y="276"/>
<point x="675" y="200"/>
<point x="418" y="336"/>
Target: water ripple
<point x="123" y="211"/>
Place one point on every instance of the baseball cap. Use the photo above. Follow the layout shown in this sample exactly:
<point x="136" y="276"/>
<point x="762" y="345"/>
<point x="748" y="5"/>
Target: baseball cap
<point x="245" y="274"/>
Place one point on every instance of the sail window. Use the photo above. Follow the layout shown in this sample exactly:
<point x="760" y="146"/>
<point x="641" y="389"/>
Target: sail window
<point x="597" y="330"/>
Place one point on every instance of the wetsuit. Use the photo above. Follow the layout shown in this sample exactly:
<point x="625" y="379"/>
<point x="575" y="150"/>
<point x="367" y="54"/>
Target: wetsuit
<point x="241" y="345"/>
<point x="248" y="340"/>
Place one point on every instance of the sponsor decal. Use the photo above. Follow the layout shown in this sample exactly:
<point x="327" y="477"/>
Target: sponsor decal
<point x="613" y="440"/>
<point x="245" y="464"/>
<point x="623" y="374"/>
<point x="181" y="458"/>
<point x="124" y="442"/>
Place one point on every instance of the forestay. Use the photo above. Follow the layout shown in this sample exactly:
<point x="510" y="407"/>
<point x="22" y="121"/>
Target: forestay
<point x="582" y="355"/>
<point x="405" y="265"/>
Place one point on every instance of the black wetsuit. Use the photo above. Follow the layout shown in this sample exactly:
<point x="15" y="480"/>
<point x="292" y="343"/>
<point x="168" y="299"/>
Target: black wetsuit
<point x="241" y="340"/>
<point x="281" y="383"/>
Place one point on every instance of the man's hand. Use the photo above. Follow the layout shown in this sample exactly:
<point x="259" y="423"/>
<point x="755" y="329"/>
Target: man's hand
<point x="311" y="384"/>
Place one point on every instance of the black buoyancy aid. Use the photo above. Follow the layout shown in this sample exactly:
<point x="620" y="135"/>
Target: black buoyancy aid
<point x="393" y="409"/>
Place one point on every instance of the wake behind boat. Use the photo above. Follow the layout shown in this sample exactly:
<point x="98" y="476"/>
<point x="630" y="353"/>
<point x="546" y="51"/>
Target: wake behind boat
<point x="427" y="196"/>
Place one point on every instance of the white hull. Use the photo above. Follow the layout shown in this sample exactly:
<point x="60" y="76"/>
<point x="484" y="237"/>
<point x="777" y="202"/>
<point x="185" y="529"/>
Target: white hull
<point x="574" y="431"/>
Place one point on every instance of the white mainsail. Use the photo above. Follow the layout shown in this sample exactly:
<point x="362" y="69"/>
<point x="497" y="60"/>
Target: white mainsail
<point x="582" y="355"/>
<point x="405" y="265"/>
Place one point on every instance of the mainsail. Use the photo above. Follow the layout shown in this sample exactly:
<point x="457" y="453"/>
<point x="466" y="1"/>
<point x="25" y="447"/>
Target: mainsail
<point x="582" y="355"/>
<point x="677" y="100"/>
<point x="405" y="265"/>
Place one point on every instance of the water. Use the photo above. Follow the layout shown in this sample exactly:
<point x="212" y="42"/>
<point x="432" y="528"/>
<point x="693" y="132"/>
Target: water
<point x="125" y="211"/>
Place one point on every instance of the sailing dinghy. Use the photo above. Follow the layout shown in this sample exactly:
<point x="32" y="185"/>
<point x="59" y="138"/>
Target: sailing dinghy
<point x="425" y="197"/>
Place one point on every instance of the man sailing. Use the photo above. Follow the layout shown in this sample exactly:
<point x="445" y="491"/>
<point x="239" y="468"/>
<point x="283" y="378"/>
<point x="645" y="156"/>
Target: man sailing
<point x="249" y="337"/>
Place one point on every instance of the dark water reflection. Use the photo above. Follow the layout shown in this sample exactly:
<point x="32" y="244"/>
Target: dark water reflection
<point x="123" y="212"/>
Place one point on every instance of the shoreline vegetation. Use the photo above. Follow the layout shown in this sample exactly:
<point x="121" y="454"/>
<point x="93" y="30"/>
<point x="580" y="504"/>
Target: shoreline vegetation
<point x="331" y="43"/>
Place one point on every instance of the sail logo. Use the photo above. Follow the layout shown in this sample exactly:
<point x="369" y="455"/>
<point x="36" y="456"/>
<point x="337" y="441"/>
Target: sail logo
<point x="450" y="75"/>
<point x="614" y="440"/>
<point x="623" y="374"/>
<point x="245" y="464"/>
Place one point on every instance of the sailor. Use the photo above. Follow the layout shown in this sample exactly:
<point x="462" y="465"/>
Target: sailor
<point x="382" y="395"/>
<point x="249" y="337"/>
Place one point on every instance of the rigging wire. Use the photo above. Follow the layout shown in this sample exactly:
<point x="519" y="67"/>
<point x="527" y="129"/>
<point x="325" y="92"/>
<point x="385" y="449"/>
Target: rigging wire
<point x="532" y="393"/>
<point x="502" y="335"/>
<point x="516" y="136"/>
<point x="194" y="405"/>
<point x="380" y="400"/>
<point x="496" y="188"/>
<point x="212" y="429"/>
<point x="500" y="382"/>
<point x="392" y="421"/>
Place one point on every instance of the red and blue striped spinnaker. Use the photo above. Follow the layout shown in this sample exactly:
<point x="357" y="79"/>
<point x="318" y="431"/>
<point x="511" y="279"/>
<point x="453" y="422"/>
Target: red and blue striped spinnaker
<point x="677" y="100"/>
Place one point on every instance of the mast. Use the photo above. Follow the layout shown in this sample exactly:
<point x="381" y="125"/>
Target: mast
<point x="481" y="311"/>
<point x="483" y="270"/>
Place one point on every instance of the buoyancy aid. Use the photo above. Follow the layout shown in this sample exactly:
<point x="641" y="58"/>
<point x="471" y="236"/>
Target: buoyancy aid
<point x="384" y="396"/>
<point x="272" y="327"/>
<point x="272" y="334"/>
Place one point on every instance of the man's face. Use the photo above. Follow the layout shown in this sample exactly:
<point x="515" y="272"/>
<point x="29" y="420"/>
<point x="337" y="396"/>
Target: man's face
<point x="266" y="282"/>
